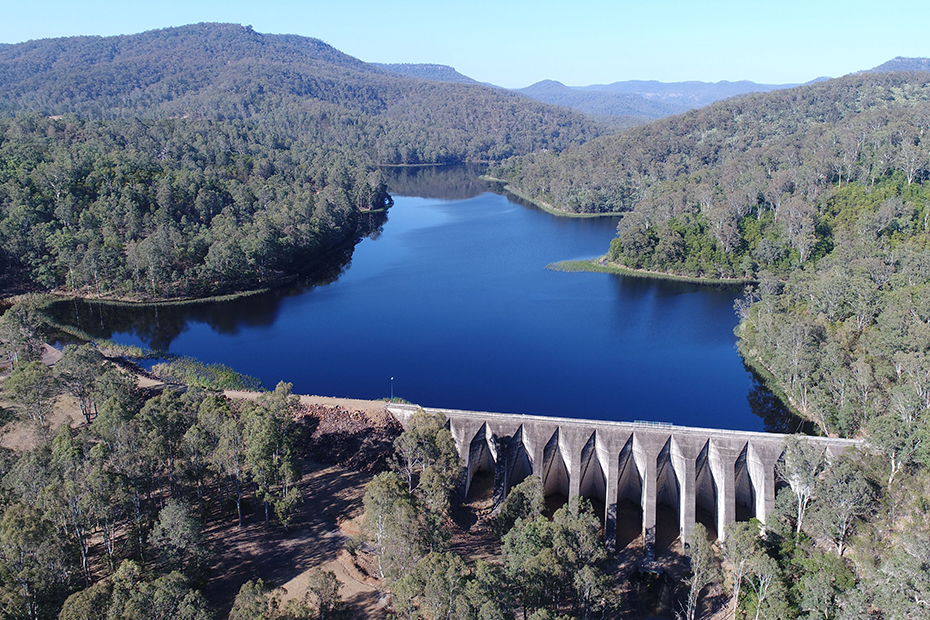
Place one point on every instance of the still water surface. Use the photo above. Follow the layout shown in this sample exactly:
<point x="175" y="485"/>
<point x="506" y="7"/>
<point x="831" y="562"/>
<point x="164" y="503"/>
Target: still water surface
<point x="453" y="300"/>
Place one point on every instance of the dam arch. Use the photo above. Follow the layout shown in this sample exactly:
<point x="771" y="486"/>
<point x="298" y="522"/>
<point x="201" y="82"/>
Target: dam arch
<point x="638" y="466"/>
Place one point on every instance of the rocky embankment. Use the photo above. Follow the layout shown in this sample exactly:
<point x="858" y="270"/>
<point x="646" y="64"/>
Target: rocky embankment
<point x="357" y="439"/>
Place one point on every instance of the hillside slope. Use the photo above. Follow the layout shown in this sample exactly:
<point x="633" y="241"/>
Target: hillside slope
<point x="426" y="71"/>
<point x="684" y="96"/>
<point x="297" y="84"/>
<point x="818" y="192"/>
<point x="901" y="63"/>
<point x="735" y="149"/>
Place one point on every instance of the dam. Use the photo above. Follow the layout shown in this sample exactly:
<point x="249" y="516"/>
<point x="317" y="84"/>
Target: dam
<point x="729" y="475"/>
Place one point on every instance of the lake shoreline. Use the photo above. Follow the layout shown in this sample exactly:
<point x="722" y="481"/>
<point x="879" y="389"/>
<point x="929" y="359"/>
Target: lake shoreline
<point x="451" y="295"/>
<point x="508" y="190"/>
<point x="280" y="280"/>
<point x="601" y="265"/>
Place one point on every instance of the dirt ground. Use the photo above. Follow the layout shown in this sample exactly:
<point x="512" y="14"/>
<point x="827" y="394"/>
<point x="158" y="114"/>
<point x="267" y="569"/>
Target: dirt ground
<point x="338" y="432"/>
<point x="316" y="540"/>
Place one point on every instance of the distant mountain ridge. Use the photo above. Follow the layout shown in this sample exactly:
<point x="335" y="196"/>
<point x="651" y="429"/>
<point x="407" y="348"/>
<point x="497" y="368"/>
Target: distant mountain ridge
<point x="641" y="101"/>
<point x="714" y="146"/>
<point x="599" y="102"/>
<point x="427" y="71"/>
<point x="900" y="63"/>
<point x="686" y="95"/>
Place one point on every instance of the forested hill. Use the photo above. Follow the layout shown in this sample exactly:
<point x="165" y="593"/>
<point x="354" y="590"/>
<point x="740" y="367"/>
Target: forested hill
<point x="901" y="63"/>
<point x="642" y="100"/>
<point x="684" y="96"/>
<point x="427" y="71"/>
<point x="741" y="156"/>
<point x="211" y="158"/>
<point x="819" y="192"/>
<point x="301" y="85"/>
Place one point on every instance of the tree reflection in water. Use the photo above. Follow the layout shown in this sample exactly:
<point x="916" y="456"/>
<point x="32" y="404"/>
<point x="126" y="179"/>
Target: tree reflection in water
<point x="776" y="417"/>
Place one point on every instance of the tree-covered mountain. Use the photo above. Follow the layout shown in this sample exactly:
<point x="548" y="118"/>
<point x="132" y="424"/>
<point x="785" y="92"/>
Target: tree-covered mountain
<point x="301" y="85"/>
<point x="683" y="96"/>
<point x="741" y="155"/>
<point x="636" y="102"/>
<point x="427" y="71"/>
<point x="901" y="63"/>
<point x="819" y="192"/>
<point x="209" y="158"/>
<point x="171" y="207"/>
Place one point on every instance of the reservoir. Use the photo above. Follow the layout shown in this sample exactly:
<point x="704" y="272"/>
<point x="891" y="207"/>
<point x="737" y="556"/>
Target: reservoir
<point x="451" y="297"/>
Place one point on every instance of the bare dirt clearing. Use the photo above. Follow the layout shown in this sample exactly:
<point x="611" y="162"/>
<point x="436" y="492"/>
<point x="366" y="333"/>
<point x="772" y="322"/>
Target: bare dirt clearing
<point x="348" y="442"/>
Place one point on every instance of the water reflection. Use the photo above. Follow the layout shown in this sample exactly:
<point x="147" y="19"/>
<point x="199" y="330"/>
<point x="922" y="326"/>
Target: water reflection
<point x="458" y="182"/>
<point x="776" y="417"/>
<point x="159" y="325"/>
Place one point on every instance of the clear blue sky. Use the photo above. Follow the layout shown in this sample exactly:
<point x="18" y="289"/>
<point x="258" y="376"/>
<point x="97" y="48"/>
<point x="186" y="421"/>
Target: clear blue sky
<point x="516" y="43"/>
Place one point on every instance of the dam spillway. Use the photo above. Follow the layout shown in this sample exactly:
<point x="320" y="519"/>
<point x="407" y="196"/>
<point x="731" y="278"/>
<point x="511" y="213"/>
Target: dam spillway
<point x="729" y="475"/>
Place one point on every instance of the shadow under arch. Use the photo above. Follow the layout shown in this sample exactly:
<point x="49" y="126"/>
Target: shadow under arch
<point x="629" y="519"/>
<point x="668" y="500"/>
<point x="593" y="481"/>
<point x="706" y="493"/>
<point x="555" y="477"/>
<point x="481" y="469"/>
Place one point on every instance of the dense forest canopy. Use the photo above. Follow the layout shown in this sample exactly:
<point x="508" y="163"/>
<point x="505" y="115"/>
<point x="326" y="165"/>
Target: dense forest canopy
<point x="171" y="207"/>
<point x="438" y="73"/>
<point x="817" y="191"/>
<point x="851" y="128"/>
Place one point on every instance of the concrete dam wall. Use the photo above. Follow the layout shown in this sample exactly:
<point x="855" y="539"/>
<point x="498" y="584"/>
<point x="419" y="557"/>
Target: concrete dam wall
<point x="723" y="475"/>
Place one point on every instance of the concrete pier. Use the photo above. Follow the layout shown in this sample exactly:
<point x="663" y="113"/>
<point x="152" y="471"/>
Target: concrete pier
<point x="728" y="474"/>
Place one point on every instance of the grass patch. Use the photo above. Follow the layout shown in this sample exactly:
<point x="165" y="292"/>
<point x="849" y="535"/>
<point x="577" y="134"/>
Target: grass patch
<point x="192" y="372"/>
<point x="176" y="301"/>
<point x="599" y="265"/>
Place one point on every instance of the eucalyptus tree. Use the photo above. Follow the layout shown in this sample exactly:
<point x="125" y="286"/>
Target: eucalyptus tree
<point x="427" y="458"/>
<point x="163" y="422"/>
<point x="32" y="387"/>
<point x="393" y="525"/>
<point x="900" y="441"/>
<point x="21" y="335"/>
<point x="559" y="561"/>
<point x="738" y="548"/>
<point x="433" y="588"/>
<point x="844" y="497"/>
<point x="38" y="564"/>
<point x="229" y="456"/>
<point x="270" y="434"/>
<point x="764" y="577"/>
<point x="801" y="465"/>
<point x="524" y="502"/>
<point x="702" y="567"/>
<point x="177" y="537"/>
<point x="78" y="371"/>
<point x="68" y="498"/>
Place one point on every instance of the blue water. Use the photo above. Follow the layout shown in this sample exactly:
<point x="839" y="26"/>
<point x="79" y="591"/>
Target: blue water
<point x="454" y="301"/>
